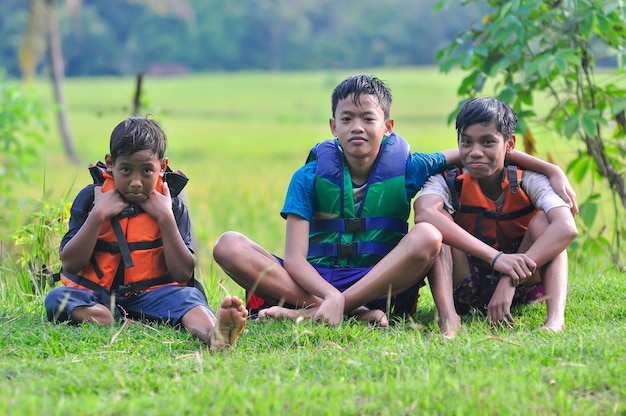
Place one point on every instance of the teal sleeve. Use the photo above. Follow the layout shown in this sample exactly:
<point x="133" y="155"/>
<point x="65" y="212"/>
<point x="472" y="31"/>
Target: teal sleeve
<point x="419" y="167"/>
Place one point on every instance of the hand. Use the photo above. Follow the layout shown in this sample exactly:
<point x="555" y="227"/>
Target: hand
<point x="518" y="266"/>
<point x="499" y="308"/>
<point x="561" y="186"/>
<point x="158" y="205"/>
<point x="331" y="309"/>
<point x="107" y="204"/>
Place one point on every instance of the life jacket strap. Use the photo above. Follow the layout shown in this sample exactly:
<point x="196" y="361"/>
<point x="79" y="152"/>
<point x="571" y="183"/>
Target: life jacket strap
<point x="125" y="290"/>
<point x="355" y="225"/>
<point x="114" y="248"/>
<point x="122" y="243"/>
<point x="349" y="249"/>
<point x="500" y="216"/>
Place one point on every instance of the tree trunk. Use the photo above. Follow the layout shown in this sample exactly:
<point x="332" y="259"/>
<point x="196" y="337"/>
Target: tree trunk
<point x="57" y="73"/>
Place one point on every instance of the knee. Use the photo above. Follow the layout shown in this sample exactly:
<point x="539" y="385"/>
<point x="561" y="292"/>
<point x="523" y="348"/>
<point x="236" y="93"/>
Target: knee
<point x="227" y="246"/>
<point x="424" y="241"/>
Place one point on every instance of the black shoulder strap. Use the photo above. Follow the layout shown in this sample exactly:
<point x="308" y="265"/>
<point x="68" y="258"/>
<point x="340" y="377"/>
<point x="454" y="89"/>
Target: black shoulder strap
<point x="450" y="176"/>
<point x="96" y="170"/>
<point x="176" y="180"/>
<point x="513" y="182"/>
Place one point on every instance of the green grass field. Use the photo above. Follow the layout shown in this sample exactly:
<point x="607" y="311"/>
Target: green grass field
<point x="239" y="137"/>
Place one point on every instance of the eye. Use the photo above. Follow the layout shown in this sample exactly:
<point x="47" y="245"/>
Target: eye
<point x="345" y="119"/>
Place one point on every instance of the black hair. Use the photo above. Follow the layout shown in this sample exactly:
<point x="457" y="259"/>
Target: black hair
<point x="135" y="134"/>
<point x="359" y="85"/>
<point x="485" y="110"/>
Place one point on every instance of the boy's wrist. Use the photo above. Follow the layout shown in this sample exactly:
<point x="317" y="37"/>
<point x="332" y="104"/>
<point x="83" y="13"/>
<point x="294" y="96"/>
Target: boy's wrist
<point x="495" y="259"/>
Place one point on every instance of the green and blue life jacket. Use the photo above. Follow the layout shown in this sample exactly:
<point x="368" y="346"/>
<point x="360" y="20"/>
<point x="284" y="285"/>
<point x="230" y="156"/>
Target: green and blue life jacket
<point x="341" y="235"/>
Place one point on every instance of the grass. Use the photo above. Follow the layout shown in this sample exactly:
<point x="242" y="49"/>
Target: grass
<point x="239" y="137"/>
<point x="289" y="368"/>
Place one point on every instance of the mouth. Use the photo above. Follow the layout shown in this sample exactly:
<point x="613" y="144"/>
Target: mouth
<point x="135" y="197"/>
<point x="475" y="165"/>
<point x="358" y="140"/>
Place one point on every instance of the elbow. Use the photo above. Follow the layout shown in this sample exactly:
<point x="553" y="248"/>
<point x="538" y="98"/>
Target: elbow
<point x="69" y="267"/>
<point x="183" y="276"/>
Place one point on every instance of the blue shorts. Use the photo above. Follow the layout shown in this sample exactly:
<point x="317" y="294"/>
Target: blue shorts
<point x="400" y="304"/>
<point x="167" y="304"/>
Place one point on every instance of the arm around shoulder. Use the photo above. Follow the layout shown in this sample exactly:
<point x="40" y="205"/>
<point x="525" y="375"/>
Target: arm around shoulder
<point x="557" y="177"/>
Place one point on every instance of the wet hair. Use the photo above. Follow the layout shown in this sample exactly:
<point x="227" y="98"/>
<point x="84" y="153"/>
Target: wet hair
<point x="485" y="110"/>
<point x="135" y="134"/>
<point x="359" y="85"/>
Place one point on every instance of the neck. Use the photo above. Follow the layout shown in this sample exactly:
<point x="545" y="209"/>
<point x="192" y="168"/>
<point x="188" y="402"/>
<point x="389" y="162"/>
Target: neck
<point x="492" y="186"/>
<point x="360" y="169"/>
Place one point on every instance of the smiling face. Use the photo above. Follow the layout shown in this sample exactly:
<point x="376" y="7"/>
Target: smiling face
<point x="136" y="175"/>
<point x="360" y="127"/>
<point x="483" y="149"/>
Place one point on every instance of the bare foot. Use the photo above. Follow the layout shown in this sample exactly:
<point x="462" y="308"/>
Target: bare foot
<point x="449" y="326"/>
<point x="550" y="328"/>
<point x="373" y="316"/>
<point x="279" y="312"/>
<point x="231" y="320"/>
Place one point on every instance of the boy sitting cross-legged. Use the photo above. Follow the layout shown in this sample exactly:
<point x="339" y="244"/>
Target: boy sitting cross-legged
<point x="128" y="248"/>
<point x="507" y="227"/>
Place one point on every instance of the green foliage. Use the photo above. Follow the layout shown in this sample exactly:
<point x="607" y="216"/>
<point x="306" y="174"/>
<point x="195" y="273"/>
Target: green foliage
<point x="38" y="240"/>
<point x="20" y="142"/>
<point x="530" y="49"/>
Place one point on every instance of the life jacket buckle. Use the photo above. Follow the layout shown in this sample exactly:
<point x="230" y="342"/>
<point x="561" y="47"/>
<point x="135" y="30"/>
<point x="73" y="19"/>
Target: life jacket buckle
<point x="346" y="249"/>
<point x="130" y="211"/>
<point x="128" y="290"/>
<point x="354" y="225"/>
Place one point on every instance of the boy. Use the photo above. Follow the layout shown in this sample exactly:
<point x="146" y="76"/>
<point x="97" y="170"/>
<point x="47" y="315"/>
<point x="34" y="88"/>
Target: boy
<point x="347" y="241"/>
<point x="507" y="227"/>
<point x="128" y="249"/>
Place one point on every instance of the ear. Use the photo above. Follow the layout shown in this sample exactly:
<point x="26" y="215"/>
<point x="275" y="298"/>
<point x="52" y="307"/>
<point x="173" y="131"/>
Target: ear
<point x="333" y="126"/>
<point x="389" y="124"/>
<point x="164" y="163"/>
<point x="108" y="160"/>
<point x="510" y="144"/>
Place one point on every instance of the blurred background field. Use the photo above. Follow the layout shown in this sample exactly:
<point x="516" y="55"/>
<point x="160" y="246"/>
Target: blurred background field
<point x="239" y="137"/>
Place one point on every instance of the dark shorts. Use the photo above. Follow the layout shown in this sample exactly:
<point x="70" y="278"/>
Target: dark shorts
<point x="167" y="304"/>
<point x="401" y="304"/>
<point x="476" y="291"/>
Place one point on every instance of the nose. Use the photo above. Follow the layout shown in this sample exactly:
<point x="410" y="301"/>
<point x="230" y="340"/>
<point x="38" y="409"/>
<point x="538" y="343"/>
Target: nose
<point x="476" y="151"/>
<point x="356" y="126"/>
<point x="135" y="181"/>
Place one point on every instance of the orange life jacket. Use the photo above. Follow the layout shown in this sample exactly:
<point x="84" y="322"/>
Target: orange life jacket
<point x="128" y="256"/>
<point x="503" y="228"/>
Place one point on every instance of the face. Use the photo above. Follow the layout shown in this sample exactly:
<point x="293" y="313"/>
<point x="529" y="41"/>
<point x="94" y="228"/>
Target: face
<point x="483" y="149"/>
<point x="136" y="175"/>
<point x="360" y="129"/>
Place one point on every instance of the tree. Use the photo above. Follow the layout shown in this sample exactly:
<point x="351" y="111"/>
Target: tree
<point x="42" y="34"/>
<point x="532" y="48"/>
<point x="43" y="24"/>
